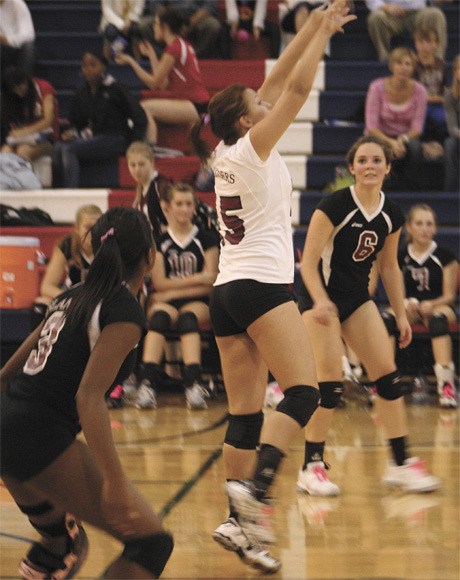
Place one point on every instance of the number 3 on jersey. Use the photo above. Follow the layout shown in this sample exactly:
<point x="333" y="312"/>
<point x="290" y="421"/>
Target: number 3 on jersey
<point x="48" y="336"/>
<point x="235" y="225"/>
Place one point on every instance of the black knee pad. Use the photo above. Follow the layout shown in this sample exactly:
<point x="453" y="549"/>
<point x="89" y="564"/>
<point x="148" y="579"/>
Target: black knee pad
<point x="151" y="552"/>
<point x="390" y="323"/>
<point x="187" y="322"/>
<point x="331" y="393"/>
<point x="160" y="322"/>
<point x="243" y="431"/>
<point x="389" y="386"/>
<point x="299" y="403"/>
<point x="438" y="325"/>
<point x="38" y="509"/>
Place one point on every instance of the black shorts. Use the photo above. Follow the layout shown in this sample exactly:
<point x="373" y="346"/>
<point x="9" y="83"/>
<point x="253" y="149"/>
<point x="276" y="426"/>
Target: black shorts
<point x="346" y="303"/>
<point x="236" y="305"/>
<point x="177" y="304"/>
<point x="33" y="435"/>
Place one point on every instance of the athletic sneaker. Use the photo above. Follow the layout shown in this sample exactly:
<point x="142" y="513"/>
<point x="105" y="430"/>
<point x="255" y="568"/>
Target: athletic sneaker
<point x="314" y="480"/>
<point x="196" y="396"/>
<point x="273" y="395"/>
<point x="115" y="398"/>
<point x="231" y="537"/>
<point x="130" y="390"/>
<point x="146" y="397"/>
<point x="412" y="476"/>
<point x="448" y="396"/>
<point x="254" y="516"/>
<point x="40" y="563"/>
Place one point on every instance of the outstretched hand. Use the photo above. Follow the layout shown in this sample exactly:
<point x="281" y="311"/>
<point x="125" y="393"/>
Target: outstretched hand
<point x="337" y="14"/>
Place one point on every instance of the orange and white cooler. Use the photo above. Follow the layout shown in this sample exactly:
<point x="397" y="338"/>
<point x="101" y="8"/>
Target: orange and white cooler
<point x="19" y="272"/>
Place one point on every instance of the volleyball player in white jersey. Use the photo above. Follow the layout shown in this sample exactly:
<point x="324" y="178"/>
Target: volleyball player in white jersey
<point x="256" y="322"/>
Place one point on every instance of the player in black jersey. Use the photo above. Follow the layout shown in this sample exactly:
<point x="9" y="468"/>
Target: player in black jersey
<point x="53" y="387"/>
<point x="430" y="274"/>
<point x="182" y="278"/>
<point x="349" y="230"/>
<point x="69" y="262"/>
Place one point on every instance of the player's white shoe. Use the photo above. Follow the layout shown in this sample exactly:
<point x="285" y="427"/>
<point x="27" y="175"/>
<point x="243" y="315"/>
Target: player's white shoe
<point x="146" y="397"/>
<point x="412" y="476"/>
<point x="195" y="397"/>
<point x="448" y="396"/>
<point x="315" y="481"/>
<point x="231" y="537"/>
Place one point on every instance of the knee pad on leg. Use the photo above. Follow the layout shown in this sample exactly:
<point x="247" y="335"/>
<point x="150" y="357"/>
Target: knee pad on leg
<point x="299" y="403"/>
<point x="389" y="386"/>
<point x="151" y="552"/>
<point x="187" y="322"/>
<point x="243" y="431"/>
<point x="331" y="393"/>
<point x="160" y="322"/>
<point x="438" y="325"/>
<point x="390" y="323"/>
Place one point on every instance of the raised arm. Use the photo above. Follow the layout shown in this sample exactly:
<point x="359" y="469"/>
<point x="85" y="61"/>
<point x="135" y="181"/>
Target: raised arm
<point x="294" y="91"/>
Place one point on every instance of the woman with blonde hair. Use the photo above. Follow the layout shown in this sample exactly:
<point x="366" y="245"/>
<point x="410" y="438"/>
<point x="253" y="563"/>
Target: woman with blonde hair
<point x="395" y="112"/>
<point x="430" y="275"/>
<point x="69" y="262"/>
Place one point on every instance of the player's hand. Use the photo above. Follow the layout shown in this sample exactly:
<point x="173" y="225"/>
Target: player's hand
<point x="425" y="308"/>
<point x="323" y="312"/>
<point x="405" y="332"/>
<point x="337" y="15"/>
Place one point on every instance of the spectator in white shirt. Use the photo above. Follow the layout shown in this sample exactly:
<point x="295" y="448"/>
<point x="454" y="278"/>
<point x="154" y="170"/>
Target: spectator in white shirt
<point x="389" y="18"/>
<point x="17" y="35"/>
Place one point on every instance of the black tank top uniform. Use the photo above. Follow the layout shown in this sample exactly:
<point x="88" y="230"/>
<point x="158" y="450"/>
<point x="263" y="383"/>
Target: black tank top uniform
<point x="185" y="258"/>
<point x="39" y="417"/>
<point x="75" y="273"/>
<point x="423" y="276"/>
<point x="357" y="238"/>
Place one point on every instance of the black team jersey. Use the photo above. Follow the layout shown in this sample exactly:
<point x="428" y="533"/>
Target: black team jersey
<point x="356" y="240"/>
<point x="54" y="369"/>
<point x="184" y="258"/>
<point x="423" y="276"/>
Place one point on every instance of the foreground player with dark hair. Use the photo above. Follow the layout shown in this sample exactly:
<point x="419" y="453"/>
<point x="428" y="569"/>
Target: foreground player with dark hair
<point x="53" y="387"/>
<point x="349" y="230"/>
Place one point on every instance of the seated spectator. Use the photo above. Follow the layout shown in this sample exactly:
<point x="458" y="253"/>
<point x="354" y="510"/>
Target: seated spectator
<point x="390" y="18"/>
<point x="104" y="118"/>
<point x="177" y="70"/>
<point x="430" y="70"/>
<point x="69" y="262"/>
<point x="395" y="112"/>
<point x="244" y="17"/>
<point x="451" y="148"/>
<point x="29" y="115"/>
<point x="182" y="277"/>
<point x="17" y="36"/>
<point x="120" y="26"/>
<point x="430" y="274"/>
<point x="201" y="27"/>
<point x="297" y="14"/>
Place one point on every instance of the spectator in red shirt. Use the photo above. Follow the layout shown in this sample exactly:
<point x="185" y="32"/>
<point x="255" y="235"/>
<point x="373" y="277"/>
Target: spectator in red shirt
<point x="176" y="71"/>
<point x="29" y="115"/>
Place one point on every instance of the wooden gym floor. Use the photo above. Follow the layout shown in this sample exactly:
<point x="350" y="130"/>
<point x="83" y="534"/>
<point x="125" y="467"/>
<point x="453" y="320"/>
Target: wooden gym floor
<point x="368" y="532"/>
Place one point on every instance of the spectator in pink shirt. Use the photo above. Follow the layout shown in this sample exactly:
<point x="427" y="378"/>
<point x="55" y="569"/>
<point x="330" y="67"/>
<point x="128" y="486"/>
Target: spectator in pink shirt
<point x="395" y="112"/>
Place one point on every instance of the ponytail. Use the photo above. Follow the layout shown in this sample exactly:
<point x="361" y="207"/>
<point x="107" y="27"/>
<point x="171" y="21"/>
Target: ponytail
<point x="200" y="146"/>
<point x="122" y="240"/>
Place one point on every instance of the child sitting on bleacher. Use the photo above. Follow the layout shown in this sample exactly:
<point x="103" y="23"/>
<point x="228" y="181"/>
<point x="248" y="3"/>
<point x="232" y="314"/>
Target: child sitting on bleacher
<point x="69" y="263"/>
<point x="182" y="277"/>
<point x="430" y="275"/>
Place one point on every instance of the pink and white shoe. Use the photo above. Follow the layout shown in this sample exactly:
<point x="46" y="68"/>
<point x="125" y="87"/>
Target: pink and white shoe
<point x="315" y="481"/>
